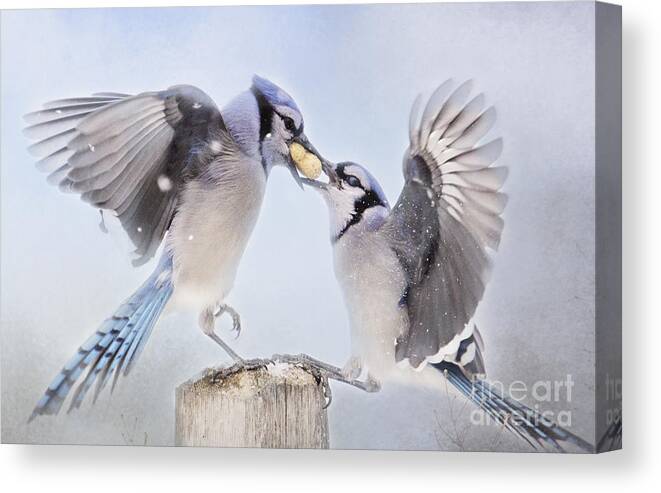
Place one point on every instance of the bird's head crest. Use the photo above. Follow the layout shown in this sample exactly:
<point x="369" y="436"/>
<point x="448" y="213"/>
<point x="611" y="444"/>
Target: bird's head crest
<point x="275" y="95"/>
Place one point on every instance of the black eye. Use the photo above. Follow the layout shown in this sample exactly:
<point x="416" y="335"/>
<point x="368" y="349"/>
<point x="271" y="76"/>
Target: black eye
<point x="352" y="181"/>
<point x="289" y="124"/>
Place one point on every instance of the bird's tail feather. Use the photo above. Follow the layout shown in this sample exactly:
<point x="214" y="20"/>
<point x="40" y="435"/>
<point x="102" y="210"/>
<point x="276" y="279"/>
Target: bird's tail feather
<point x="612" y="438"/>
<point x="527" y="423"/>
<point x="115" y="345"/>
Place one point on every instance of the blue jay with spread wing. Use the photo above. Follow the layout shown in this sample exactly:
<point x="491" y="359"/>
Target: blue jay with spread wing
<point x="173" y="169"/>
<point x="413" y="276"/>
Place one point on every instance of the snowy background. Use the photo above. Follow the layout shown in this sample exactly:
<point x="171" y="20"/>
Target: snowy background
<point x="354" y="72"/>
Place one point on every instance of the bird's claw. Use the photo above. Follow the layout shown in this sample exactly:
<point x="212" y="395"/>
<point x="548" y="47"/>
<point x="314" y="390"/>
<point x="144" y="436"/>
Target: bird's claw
<point x="372" y="384"/>
<point x="353" y="368"/>
<point x="207" y="324"/>
<point x="326" y="389"/>
<point x="236" y="325"/>
<point x="236" y="318"/>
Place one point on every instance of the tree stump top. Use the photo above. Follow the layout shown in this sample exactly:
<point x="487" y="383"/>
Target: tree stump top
<point x="246" y="380"/>
<point x="259" y="403"/>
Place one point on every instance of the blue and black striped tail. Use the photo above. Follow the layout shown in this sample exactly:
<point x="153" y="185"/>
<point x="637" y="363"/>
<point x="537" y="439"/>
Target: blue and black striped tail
<point x="528" y="424"/>
<point x="612" y="438"/>
<point x="114" y="347"/>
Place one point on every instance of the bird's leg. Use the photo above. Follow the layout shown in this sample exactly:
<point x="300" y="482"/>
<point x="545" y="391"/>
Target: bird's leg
<point x="208" y="325"/>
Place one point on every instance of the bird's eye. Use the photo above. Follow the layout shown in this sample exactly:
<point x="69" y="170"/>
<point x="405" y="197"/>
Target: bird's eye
<point x="289" y="124"/>
<point x="352" y="181"/>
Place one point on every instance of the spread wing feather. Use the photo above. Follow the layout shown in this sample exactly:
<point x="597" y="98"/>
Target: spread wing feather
<point x="447" y="221"/>
<point x="112" y="149"/>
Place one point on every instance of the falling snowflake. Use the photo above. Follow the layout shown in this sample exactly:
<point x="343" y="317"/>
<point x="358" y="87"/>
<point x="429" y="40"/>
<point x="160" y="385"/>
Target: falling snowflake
<point x="164" y="183"/>
<point x="91" y="147"/>
<point x="190" y="237"/>
<point x="139" y="229"/>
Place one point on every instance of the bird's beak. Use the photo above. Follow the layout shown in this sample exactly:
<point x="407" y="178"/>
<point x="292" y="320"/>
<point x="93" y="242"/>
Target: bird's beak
<point x="316" y="184"/>
<point x="304" y="158"/>
<point x="333" y="180"/>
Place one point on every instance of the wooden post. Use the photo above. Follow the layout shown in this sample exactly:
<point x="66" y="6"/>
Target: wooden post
<point x="257" y="404"/>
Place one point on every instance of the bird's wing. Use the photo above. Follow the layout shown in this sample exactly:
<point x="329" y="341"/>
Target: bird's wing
<point x="446" y="220"/>
<point x="127" y="154"/>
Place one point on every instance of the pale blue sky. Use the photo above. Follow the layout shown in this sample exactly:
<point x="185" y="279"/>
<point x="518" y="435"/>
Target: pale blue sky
<point x="354" y="72"/>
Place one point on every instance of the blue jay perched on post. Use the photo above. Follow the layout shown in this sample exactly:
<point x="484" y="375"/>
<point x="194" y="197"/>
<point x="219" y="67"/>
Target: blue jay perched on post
<point x="412" y="276"/>
<point x="167" y="164"/>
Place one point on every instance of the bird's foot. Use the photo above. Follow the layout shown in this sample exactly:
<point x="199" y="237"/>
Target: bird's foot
<point x="329" y="371"/>
<point x="353" y="368"/>
<point x="208" y="326"/>
<point x="372" y="384"/>
<point x="236" y="318"/>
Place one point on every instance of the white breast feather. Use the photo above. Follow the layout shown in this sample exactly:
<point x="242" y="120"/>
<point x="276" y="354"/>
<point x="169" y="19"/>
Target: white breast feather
<point x="372" y="283"/>
<point x="211" y="230"/>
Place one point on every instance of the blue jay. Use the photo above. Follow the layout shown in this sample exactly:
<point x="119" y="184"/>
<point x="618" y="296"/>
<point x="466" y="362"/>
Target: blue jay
<point x="169" y="165"/>
<point x="412" y="276"/>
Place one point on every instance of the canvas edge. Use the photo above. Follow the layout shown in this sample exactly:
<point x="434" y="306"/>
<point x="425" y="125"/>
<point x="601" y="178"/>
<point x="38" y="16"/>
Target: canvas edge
<point x="608" y="224"/>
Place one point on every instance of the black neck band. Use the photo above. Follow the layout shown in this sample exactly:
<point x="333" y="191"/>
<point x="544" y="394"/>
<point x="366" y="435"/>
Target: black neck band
<point x="370" y="199"/>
